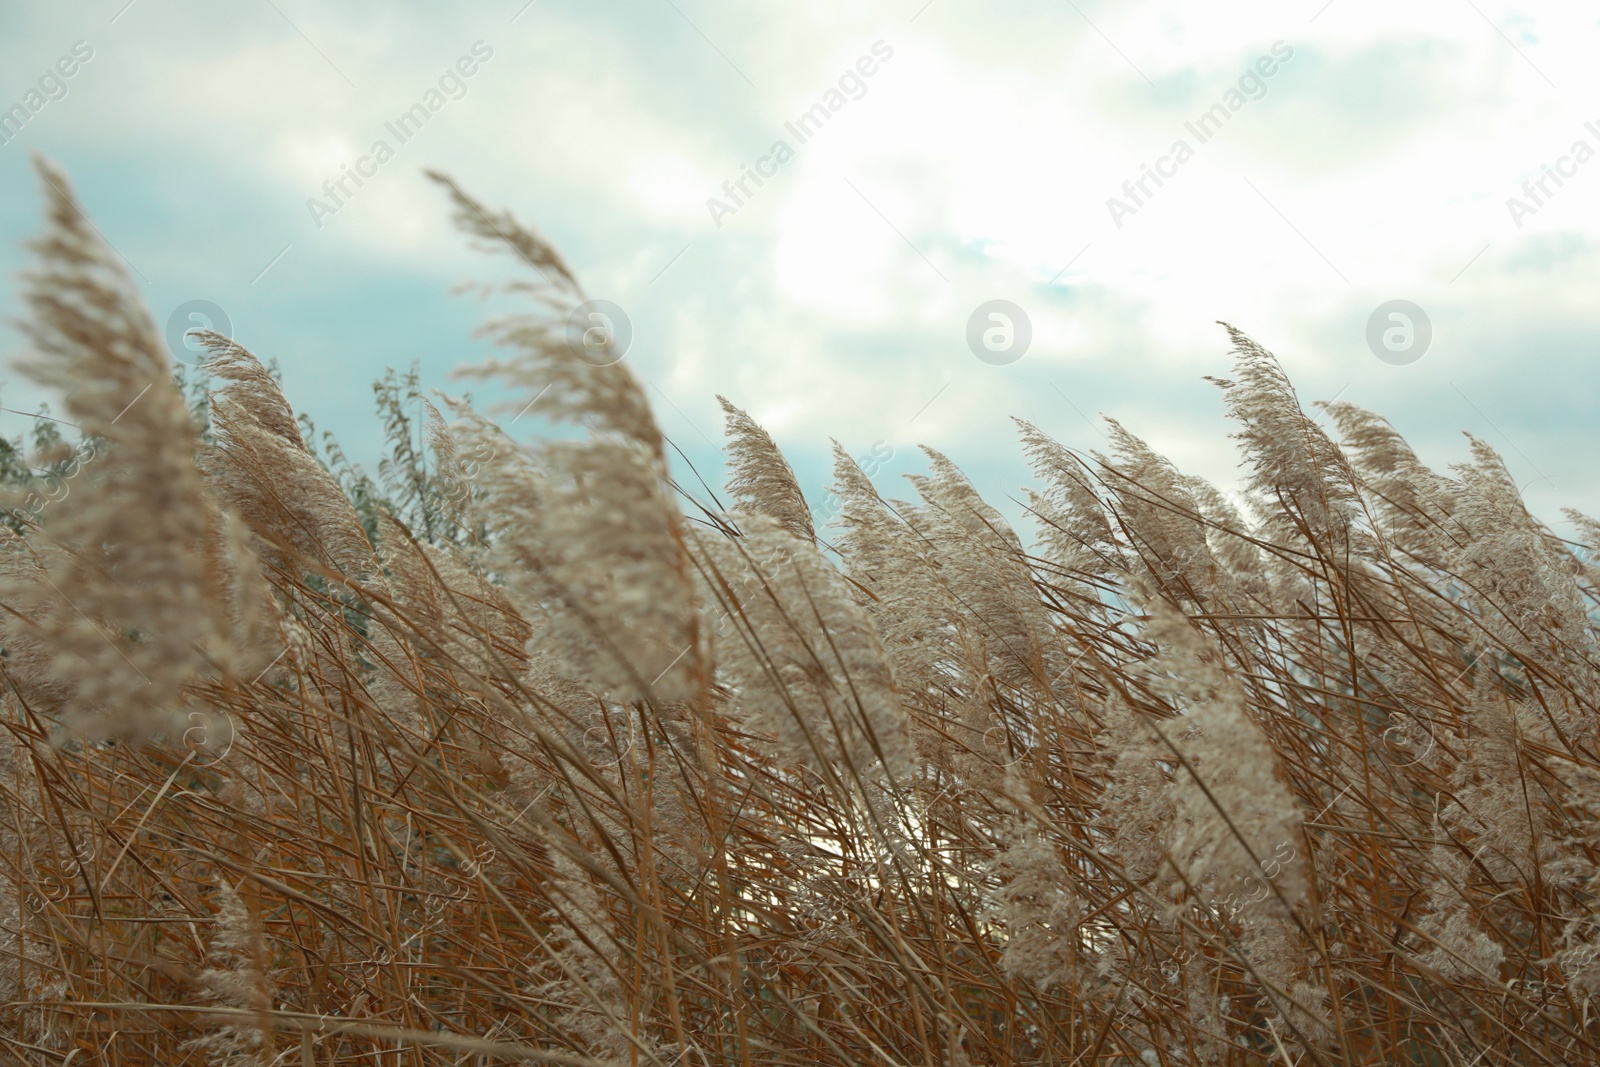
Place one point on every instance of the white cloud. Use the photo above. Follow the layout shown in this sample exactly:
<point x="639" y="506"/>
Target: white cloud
<point x="1383" y="151"/>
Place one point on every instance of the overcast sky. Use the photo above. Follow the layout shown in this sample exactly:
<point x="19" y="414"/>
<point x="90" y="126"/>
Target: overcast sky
<point x="1334" y="157"/>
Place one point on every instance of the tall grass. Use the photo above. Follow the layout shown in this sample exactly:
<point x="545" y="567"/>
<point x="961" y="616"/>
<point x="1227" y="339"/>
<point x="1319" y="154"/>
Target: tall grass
<point x="519" y="754"/>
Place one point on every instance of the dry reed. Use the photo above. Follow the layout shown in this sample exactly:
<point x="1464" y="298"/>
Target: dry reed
<point x="532" y="761"/>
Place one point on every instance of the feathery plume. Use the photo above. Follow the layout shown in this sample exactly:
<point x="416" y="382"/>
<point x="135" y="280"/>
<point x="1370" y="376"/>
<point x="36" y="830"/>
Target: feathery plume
<point x="802" y="658"/>
<point x="596" y="533"/>
<point x="132" y="597"/>
<point x="759" y="479"/>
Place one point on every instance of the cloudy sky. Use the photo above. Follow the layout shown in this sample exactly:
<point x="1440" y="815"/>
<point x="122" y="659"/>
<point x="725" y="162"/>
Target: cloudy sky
<point x="1356" y="153"/>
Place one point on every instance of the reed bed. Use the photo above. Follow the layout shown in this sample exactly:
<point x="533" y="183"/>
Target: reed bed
<point x="527" y="754"/>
